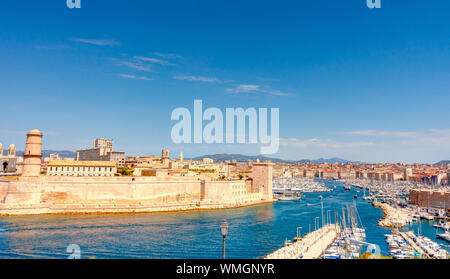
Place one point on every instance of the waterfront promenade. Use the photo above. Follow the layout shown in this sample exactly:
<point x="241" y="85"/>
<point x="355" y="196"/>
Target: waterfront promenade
<point x="312" y="246"/>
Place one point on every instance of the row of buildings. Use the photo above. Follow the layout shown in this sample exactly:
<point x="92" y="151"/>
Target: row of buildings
<point x="428" y="174"/>
<point x="102" y="160"/>
<point x="102" y="151"/>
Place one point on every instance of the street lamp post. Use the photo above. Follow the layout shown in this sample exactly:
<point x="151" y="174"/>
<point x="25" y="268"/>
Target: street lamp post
<point x="224" y="231"/>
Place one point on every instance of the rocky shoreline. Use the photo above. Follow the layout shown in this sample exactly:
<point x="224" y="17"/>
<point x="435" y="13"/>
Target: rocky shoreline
<point x="393" y="218"/>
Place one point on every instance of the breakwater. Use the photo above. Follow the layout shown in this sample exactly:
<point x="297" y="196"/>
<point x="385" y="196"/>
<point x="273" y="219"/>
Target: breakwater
<point x="311" y="246"/>
<point x="393" y="218"/>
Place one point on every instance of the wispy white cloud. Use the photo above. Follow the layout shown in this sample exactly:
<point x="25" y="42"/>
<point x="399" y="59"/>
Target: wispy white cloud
<point x="379" y="133"/>
<point x="430" y="137"/>
<point x="277" y="93"/>
<point x="126" y="76"/>
<point x="132" y="64"/>
<point x="97" y="42"/>
<point x="52" y="47"/>
<point x="248" y="88"/>
<point x="137" y="66"/>
<point x="297" y="143"/>
<point x="168" y="55"/>
<point x="244" y="88"/>
<point x="155" y="61"/>
<point x="197" y="78"/>
<point x="430" y="145"/>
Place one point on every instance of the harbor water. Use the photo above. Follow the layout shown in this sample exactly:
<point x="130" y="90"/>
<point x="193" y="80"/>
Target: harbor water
<point x="253" y="231"/>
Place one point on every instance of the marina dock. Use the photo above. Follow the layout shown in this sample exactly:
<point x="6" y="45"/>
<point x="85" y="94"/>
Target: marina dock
<point x="406" y="245"/>
<point x="413" y="244"/>
<point x="312" y="246"/>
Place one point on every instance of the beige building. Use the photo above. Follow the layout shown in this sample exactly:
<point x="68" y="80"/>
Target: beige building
<point x="262" y="179"/>
<point x="236" y="192"/>
<point x="329" y="175"/>
<point x="102" y="151"/>
<point x="106" y="144"/>
<point x="178" y="165"/>
<point x="81" y="168"/>
<point x="407" y="173"/>
<point x="181" y="158"/>
<point x="207" y="161"/>
<point x="8" y="163"/>
<point x="165" y="159"/>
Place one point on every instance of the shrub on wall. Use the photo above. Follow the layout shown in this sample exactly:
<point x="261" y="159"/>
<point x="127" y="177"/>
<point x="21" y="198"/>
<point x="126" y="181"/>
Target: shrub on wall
<point x="125" y="171"/>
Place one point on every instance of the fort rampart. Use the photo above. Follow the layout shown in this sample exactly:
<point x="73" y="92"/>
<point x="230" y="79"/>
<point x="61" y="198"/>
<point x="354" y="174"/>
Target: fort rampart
<point x="46" y="195"/>
<point x="430" y="198"/>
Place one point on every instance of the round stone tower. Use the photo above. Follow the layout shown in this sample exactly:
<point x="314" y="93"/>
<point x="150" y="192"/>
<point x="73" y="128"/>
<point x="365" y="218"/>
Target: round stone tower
<point x="33" y="154"/>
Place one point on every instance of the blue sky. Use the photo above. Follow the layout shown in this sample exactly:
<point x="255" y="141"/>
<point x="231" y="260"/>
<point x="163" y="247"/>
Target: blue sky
<point x="351" y="82"/>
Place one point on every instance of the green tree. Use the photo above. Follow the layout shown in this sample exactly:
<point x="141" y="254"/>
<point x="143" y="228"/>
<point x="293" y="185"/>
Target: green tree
<point x="125" y="171"/>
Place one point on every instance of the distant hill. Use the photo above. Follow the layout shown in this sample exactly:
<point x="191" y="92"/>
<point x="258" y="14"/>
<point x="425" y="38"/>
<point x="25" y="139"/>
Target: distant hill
<point x="443" y="163"/>
<point x="46" y="153"/>
<point x="244" y="158"/>
<point x="228" y="157"/>
<point x="328" y="161"/>
<point x="237" y="157"/>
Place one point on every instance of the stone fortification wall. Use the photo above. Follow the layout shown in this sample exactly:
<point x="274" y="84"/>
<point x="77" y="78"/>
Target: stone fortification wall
<point x="430" y="198"/>
<point x="64" y="190"/>
<point x="44" y="195"/>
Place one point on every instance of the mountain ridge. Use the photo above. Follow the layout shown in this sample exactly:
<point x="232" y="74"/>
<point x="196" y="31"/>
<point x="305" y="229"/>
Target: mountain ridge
<point x="238" y="157"/>
<point x="243" y="158"/>
<point x="46" y="153"/>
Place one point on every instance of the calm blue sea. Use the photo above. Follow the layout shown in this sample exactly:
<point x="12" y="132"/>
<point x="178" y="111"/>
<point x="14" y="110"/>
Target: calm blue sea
<point x="253" y="233"/>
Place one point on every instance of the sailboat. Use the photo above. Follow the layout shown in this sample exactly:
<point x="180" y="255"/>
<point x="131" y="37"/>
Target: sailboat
<point x="365" y="198"/>
<point x="445" y="236"/>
